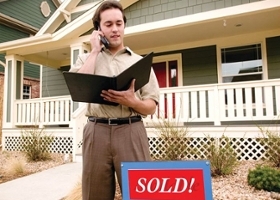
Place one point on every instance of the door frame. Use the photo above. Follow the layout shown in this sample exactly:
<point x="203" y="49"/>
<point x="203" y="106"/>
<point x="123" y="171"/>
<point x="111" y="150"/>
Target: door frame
<point x="171" y="57"/>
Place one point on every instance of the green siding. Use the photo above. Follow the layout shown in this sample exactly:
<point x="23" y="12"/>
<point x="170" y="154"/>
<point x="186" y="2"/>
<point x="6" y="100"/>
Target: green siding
<point x="2" y="58"/>
<point x="83" y="2"/>
<point x="273" y="57"/>
<point x="53" y="83"/>
<point x="200" y="66"/>
<point x="156" y="10"/>
<point x="27" y="11"/>
<point x="9" y="34"/>
<point x="31" y="71"/>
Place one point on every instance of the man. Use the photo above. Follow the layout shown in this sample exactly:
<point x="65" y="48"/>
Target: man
<point x="105" y="146"/>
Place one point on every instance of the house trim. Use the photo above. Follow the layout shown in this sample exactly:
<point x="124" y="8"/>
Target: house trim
<point x="74" y="28"/>
<point x="16" y="24"/>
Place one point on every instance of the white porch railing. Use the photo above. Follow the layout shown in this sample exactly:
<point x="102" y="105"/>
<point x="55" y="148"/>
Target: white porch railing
<point x="215" y="103"/>
<point x="44" y="111"/>
<point x="246" y="101"/>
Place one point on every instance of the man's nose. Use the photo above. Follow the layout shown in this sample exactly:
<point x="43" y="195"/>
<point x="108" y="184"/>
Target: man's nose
<point x="115" y="28"/>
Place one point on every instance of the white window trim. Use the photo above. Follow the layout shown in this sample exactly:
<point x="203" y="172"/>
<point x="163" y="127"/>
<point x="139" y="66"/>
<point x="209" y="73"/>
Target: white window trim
<point x="239" y="44"/>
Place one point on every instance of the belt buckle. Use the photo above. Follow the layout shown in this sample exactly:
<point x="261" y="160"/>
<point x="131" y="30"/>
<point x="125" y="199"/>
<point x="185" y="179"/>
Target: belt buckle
<point x="110" y="123"/>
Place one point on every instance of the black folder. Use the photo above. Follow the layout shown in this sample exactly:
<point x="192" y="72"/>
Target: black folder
<point x="88" y="87"/>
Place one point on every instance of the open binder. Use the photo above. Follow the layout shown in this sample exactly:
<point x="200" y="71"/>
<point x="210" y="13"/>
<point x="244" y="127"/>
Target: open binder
<point x="88" y="87"/>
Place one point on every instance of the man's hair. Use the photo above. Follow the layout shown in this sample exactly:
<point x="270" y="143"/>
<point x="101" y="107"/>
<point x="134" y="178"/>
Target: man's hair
<point x="105" y="6"/>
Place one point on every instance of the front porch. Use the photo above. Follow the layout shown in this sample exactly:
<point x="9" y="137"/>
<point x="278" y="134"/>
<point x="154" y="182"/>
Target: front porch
<point x="234" y="109"/>
<point x="212" y="104"/>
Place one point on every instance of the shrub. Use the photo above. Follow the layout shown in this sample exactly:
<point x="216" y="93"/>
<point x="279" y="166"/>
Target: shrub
<point x="222" y="157"/>
<point x="272" y="146"/>
<point x="36" y="144"/>
<point x="264" y="177"/>
<point x="174" y="140"/>
<point x="15" y="166"/>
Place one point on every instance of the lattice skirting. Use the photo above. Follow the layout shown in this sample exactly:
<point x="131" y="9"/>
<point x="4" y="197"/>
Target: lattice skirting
<point x="176" y="148"/>
<point x="198" y="148"/>
<point x="59" y="145"/>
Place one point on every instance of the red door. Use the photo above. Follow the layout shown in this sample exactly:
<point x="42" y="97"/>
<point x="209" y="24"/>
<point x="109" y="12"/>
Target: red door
<point x="167" y="71"/>
<point x="160" y="71"/>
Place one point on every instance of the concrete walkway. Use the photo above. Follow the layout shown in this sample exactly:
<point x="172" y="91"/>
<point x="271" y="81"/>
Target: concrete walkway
<point x="51" y="184"/>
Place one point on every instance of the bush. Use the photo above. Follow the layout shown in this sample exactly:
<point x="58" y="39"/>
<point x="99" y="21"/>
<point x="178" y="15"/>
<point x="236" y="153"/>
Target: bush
<point x="174" y="140"/>
<point x="222" y="157"/>
<point x="15" y="166"/>
<point x="36" y="144"/>
<point x="264" y="178"/>
<point x="272" y="146"/>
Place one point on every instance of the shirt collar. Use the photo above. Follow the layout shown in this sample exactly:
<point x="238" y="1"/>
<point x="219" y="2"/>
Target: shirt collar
<point x="125" y="50"/>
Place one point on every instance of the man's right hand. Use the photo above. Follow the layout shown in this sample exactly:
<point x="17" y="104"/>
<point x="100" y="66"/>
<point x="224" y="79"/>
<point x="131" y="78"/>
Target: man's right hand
<point x="95" y="41"/>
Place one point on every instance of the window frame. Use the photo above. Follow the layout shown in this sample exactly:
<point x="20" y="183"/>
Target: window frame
<point x="240" y="44"/>
<point x="27" y="94"/>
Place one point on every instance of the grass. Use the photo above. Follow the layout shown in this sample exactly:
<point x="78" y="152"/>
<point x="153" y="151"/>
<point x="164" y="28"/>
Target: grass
<point x="15" y="167"/>
<point x="75" y="193"/>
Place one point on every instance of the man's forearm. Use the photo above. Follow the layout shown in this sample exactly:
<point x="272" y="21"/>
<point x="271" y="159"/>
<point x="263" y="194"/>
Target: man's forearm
<point x="145" y="107"/>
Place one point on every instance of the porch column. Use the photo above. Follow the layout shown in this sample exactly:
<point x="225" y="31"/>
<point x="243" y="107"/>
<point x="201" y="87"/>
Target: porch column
<point x="77" y="123"/>
<point x="12" y="89"/>
<point x="77" y="49"/>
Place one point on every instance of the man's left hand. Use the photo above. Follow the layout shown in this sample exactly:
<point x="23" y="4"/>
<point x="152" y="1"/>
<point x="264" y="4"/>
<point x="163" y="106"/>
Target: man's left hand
<point x="126" y="98"/>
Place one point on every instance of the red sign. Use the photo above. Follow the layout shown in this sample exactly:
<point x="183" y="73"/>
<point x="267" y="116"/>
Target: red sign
<point x="165" y="184"/>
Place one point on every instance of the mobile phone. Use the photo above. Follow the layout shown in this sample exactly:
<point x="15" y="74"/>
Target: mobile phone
<point x="103" y="40"/>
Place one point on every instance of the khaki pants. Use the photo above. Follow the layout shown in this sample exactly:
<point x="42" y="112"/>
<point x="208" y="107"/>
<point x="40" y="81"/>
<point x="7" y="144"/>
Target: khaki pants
<point x="104" y="148"/>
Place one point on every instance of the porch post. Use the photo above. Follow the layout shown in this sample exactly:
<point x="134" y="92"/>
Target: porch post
<point x="12" y="89"/>
<point x="217" y="117"/>
<point x="77" y="49"/>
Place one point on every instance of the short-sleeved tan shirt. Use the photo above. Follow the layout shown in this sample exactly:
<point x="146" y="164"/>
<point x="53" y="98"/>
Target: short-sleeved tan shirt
<point x="110" y="65"/>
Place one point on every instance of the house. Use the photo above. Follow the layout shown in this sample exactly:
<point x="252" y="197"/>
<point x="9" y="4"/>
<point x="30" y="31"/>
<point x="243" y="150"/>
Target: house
<point x="16" y="24"/>
<point x="217" y="63"/>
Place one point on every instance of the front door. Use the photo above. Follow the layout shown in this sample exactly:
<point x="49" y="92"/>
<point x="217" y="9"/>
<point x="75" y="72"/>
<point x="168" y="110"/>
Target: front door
<point x="167" y="71"/>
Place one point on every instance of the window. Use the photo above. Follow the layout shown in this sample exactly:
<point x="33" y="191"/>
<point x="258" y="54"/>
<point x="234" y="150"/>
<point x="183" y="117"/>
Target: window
<point x="26" y="94"/>
<point x="242" y="63"/>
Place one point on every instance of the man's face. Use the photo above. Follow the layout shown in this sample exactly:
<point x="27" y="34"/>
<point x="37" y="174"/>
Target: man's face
<point x="112" y="25"/>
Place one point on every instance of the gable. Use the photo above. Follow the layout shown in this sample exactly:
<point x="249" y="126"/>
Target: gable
<point x="27" y="11"/>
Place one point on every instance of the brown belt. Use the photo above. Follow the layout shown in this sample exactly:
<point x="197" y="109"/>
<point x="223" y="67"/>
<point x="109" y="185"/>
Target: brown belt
<point x="115" y="121"/>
